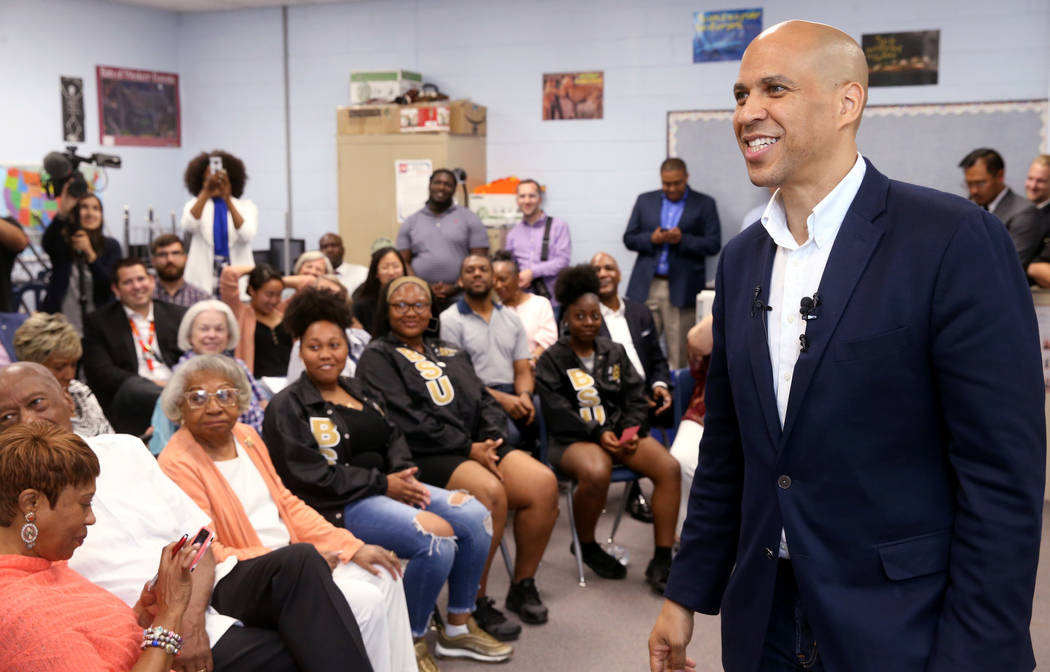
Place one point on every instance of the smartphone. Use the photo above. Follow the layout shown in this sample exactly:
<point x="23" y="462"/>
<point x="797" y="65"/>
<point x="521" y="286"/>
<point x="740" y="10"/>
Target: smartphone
<point x="629" y="433"/>
<point x="215" y="162"/>
<point x="204" y="538"/>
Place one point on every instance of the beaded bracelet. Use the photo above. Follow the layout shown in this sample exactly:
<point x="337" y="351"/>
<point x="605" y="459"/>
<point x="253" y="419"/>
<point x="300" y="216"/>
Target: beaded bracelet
<point x="161" y="638"/>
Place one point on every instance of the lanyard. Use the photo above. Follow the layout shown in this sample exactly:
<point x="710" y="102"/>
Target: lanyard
<point x="147" y="347"/>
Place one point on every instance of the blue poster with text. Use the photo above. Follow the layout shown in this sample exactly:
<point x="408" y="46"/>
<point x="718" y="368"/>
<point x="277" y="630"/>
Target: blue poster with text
<point x="723" y="35"/>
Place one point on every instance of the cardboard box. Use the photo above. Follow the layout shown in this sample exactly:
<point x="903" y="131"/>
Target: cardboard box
<point x="495" y="209"/>
<point x="367" y="120"/>
<point x="383" y="85"/>
<point x="459" y="117"/>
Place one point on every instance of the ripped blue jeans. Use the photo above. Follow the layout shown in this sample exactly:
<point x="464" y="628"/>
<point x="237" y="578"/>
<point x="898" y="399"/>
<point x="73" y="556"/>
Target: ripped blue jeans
<point x="432" y="560"/>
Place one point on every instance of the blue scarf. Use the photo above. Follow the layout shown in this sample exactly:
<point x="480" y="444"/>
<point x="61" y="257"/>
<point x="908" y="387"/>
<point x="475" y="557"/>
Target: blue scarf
<point x="220" y="232"/>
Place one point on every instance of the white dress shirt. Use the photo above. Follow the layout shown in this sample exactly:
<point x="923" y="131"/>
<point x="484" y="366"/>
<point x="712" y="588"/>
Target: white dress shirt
<point x="351" y="275"/>
<point x="151" y="364"/>
<point x="797" y="270"/>
<point x="620" y="332"/>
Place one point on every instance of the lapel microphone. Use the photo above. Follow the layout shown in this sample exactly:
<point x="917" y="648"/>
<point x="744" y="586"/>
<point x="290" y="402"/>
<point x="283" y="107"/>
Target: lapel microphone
<point x="757" y="304"/>
<point x="808" y="307"/>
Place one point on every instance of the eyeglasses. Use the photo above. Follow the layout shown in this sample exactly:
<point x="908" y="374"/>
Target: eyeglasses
<point x="175" y="254"/>
<point x="199" y="398"/>
<point x="402" y="307"/>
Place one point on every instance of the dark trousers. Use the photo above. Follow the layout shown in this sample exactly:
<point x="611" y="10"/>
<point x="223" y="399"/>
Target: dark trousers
<point x="132" y="405"/>
<point x="789" y="645"/>
<point x="296" y="617"/>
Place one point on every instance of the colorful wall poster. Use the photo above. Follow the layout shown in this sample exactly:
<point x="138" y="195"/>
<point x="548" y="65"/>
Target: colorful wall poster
<point x="22" y="194"/>
<point x="573" y="95"/>
<point x="902" y="59"/>
<point x="724" y="35"/>
<point x="138" y="107"/>
<point x="72" y="109"/>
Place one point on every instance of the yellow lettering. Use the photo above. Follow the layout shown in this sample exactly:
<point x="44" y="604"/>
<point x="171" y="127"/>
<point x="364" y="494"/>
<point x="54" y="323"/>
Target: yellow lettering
<point x="428" y="369"/>
<point x="441" y="391"/>
<point x="327" y="436"/>
<point x="580" y="379"/>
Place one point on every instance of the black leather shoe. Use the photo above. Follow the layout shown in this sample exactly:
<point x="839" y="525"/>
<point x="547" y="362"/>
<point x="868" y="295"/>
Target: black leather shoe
<point x="524" y="600"/>
<point x="492" y="620"/>
<point x="657" y="573"/>
<point x="637" y="506"/>
<point x="603" y="564"/>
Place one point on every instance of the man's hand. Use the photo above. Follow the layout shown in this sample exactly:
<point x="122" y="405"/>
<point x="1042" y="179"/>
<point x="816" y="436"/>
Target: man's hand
<point x="659" y="236"/>
<point x="517" y="406"/>
<point x="525" y="277"/>
<point x="403" y="486"/>
<point x="667" y="641"/>
<point x="376" y="558"/>
<point x="196" y="649"/>
<point x="673" y="236"/>
<point x="661" y="399"/>
<point x="484" y="452"/>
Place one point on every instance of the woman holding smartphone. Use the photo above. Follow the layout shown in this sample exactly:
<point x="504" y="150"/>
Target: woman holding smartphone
<point x="596" y="412"/>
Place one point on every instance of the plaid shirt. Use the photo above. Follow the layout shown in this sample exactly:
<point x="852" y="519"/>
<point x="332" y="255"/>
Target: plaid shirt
<point x="254" y="415"/>
<point x="185" y="296"/>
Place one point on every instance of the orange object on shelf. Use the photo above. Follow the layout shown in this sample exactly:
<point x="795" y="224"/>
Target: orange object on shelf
<point x="504" y="185"/>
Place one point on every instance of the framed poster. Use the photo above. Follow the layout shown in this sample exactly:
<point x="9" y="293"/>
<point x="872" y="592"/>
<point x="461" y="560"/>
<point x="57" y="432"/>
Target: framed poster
<point x="138" y="107"/>
<point x="72" y="109"/>
<point x="573" y="95"/>
<point x="723" y="35"/>
<point x="902" y="59"/>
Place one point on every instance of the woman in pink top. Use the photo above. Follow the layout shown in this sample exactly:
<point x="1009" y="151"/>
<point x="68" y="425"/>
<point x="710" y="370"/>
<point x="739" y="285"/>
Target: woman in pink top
<point x="53" y="619"/>
<point x="535" y="311"/>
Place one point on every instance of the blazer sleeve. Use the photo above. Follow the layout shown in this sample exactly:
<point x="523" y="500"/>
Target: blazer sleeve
<point x="103" y="374"/>
<point x="191" y="224"/>
<point x="703" y="236"/>
<point x="637" y="238"/>
<point x="1027" y="231"/>
<point x="982" y="312"/>
<point x="296" y="458"/>
<point x="424" y="432"/>
<point x="709" y="537"/>
<point x="250" y="226"/>
<point x="658" y="370"/>
<point x="559" y="411"/>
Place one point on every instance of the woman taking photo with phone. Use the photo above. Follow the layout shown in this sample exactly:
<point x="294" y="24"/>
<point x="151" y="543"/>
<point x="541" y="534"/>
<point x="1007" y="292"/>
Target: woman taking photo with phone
<point x="597" y="417"/>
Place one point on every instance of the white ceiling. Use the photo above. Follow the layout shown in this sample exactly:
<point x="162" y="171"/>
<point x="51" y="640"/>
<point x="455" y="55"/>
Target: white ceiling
<point x="217" y="5"/>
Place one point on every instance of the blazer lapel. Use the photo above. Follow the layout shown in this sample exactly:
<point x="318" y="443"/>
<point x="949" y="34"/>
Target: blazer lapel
<point x="856" y="241"/>
<point x="758" y="339"/>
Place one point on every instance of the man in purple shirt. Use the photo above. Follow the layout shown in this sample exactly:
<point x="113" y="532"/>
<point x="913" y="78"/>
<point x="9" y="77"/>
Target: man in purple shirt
<point x="541" y="252"/>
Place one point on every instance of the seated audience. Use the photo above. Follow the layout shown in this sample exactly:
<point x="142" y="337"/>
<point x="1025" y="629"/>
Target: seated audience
<point x="221" y="225"/>
<point x="225" y="468"/>
<point x="534" y="311"/>
<point x="386" y="265"/>
<point x="540" y="244"/>
<point x="83" y="260"/>
<point x="50" y="340"/>
<point x="435" y="240"/>
<point x="53" y="618"/>
<point x="313" y="263"/>
<point x="350" y="275"/>
<point x="209" y="328"/>
<point x="138" y="509"/>
<point x="168" y="256"/>
<point x="12" y="241"/>
<point x="333" y="446"/>
<point x="686" y="446"/>
<point x="591" y="394"/>
<point x="130" y="347"/>
<point x="9" y="324"/>
<point x="356" y="338"/>
<point x="264" y="343"/>
<point x="455" y="431"/>
<point x="495" y="340"/>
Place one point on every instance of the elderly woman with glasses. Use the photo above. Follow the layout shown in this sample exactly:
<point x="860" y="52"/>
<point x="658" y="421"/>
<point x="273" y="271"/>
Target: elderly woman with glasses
<point x="52" y="341"/>
<point x="54" y="619"/>
<point x="455" y="431"/>
<point x="225" y="468"/>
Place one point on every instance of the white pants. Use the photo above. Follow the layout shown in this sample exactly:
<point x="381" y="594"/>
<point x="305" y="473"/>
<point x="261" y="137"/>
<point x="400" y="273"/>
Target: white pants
<point x="378" y="603"/>
<point x="686" y="449"/>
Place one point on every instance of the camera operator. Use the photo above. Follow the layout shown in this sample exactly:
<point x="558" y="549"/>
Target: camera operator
<point x="82" y="258"/>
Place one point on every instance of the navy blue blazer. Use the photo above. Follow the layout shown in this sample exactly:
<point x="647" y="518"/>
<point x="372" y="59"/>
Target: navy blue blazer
<point x="701" y="238"/>
<point x="646" y="342"/>
<point x="909" y="472"/>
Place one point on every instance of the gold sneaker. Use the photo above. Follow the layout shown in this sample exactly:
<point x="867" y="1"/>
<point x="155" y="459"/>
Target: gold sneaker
<point x="475" y="644"/>
<point x="424" y="661"/>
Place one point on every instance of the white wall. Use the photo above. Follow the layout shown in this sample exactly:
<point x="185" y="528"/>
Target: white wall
<point x="493" y="51"/>
<point x="39" y="42"/>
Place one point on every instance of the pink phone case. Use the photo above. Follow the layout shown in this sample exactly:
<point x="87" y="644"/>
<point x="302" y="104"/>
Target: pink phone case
<point x="629" y="433"/>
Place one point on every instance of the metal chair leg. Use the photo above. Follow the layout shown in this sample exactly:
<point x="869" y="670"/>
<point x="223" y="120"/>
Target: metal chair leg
<point x="506" y="557"/>
<point x="577" y="550"/>
<point x="620" y="509"/>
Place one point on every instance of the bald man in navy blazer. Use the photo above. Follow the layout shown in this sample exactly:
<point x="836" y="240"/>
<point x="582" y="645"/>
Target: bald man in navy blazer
<point x="870" y="483"/>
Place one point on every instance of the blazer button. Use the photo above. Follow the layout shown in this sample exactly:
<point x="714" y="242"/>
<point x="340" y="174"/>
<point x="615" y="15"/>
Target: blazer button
<point x="769" y="553"/>
<point x="784" y="482"/>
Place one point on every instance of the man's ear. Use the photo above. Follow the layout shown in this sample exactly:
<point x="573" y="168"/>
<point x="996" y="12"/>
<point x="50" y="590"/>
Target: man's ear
<point x="851" y="104"/>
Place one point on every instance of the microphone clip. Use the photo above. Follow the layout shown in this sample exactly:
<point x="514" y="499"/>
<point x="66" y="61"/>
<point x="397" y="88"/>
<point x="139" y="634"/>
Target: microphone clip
<point x="808" y="307"/>
<point x="757" y="304"/>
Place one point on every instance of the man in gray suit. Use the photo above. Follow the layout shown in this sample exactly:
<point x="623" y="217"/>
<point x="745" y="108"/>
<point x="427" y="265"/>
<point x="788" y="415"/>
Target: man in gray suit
<point x="985" y="173"/>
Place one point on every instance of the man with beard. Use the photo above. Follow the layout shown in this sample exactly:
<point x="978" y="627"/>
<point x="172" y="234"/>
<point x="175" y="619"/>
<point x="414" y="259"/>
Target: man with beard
<point x="435" y="240"/>
<point x="169" y="261"/>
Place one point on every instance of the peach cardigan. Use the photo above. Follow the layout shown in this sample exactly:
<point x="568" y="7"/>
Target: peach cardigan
<point x="186" y="463"/>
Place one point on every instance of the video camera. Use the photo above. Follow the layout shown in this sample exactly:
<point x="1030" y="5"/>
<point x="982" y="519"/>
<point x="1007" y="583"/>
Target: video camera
<point x="61" y="167"/>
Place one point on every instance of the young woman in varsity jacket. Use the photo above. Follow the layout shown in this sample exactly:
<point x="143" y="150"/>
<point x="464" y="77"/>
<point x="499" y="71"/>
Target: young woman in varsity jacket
<point x="590" y="394"/>
<point x="455" y="431"/>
